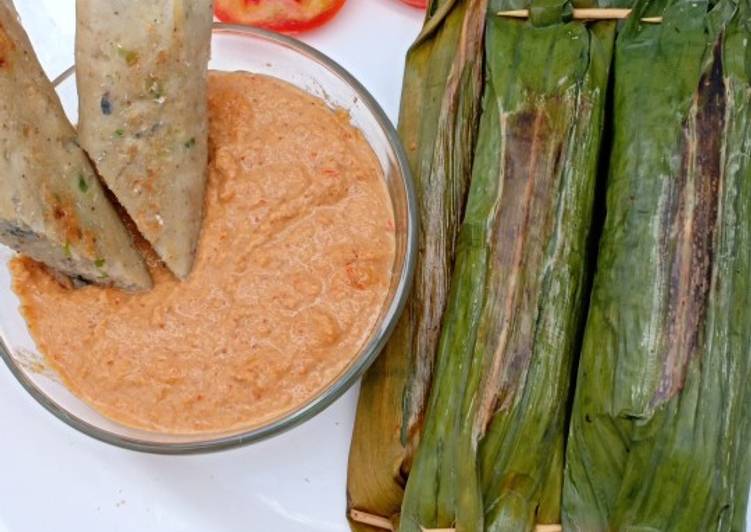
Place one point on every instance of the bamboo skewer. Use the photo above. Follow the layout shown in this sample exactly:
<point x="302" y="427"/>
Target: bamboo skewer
<point x="375" y="521"/>
<point x="586" y="14"/>
<point x="383" y="523"/>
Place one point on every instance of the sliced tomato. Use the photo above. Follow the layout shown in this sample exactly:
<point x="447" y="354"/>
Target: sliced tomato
<point x="288" y="16"/>
<point x="417" y="3"/>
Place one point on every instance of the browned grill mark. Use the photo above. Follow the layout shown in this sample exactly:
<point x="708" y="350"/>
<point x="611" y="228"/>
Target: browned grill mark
<point x="7" y="47"/>
<point x="531" y="166"/>
<point x="63" y="215"/>
<point x="693" y="218"/>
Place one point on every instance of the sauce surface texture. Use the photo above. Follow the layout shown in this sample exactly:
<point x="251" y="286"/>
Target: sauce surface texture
<point x="293" y="268"/>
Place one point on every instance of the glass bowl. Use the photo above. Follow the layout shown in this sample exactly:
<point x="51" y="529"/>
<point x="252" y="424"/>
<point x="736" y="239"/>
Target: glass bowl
<point x="258" y="51"/>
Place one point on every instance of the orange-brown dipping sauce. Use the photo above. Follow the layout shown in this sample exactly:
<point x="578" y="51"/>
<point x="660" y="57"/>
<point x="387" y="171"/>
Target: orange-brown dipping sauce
<point x="292" y="270"/>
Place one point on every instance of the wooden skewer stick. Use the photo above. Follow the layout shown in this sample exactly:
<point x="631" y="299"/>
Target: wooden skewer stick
<point x="376" y="521"/>
<point x="586" y="14"/>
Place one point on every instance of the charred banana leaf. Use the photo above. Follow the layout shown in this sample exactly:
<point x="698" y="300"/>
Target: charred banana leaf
<point x="438" y="125"/>
<point x="660" y="431"/>
<point x="491" y="448"/>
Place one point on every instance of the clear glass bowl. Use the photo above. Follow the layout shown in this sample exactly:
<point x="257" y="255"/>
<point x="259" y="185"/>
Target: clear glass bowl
<point x="253" y="50"/>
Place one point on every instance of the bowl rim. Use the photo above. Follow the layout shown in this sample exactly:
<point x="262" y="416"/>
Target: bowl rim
<point x="369" y="351"/>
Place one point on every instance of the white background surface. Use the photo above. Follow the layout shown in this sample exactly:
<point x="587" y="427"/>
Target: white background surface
<point x="53" y="479"/>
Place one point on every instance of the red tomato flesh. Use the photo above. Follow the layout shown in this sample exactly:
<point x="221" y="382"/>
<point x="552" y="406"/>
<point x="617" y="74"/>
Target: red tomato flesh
<point x="417" y="3"/>
<point x="288" y="16"/>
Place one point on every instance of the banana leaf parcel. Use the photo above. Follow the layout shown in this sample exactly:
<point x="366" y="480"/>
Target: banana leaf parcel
<point x="661" y="426"/>
<point x="438" y="125"/>
<point x="492" y="443"/>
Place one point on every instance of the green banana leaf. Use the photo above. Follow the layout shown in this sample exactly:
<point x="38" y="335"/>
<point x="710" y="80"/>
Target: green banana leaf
<point x="491" y="447"/>
<point x="438" y="126"/>
<point x="659" y="436"/>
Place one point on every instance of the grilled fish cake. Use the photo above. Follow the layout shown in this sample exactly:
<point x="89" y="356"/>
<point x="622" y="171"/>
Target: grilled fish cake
<point x="52" y="206"/>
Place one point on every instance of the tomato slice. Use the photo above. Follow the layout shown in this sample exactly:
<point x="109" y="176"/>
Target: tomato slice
<point x="288" y="16"/>
<point x="417" y="3"/>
